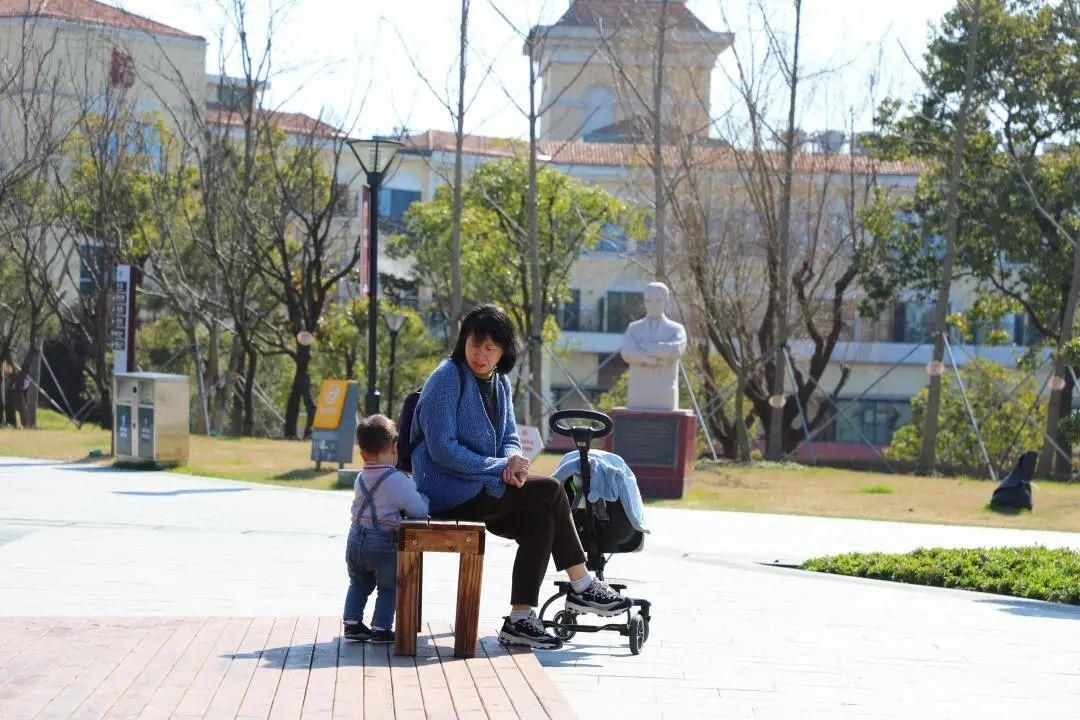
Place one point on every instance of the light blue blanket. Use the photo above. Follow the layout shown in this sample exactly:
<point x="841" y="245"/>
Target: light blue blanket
<point x="611" y="479"/>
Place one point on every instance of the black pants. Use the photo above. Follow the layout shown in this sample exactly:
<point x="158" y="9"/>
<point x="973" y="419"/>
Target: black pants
<point x="537" y="517"/>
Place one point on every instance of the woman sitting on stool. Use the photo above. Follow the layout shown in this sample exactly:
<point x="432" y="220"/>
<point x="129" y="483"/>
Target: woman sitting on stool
<point x="470" y="466"/>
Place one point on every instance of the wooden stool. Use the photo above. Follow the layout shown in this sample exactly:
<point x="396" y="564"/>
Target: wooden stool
<point x="415" y="537"/>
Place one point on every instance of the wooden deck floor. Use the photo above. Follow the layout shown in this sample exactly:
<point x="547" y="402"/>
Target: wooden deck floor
<point x="262" y="667"/>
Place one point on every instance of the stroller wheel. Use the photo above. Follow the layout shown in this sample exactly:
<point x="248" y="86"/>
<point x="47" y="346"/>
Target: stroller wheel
<point x="639" y="633"/>
<point x="565" y="617"/>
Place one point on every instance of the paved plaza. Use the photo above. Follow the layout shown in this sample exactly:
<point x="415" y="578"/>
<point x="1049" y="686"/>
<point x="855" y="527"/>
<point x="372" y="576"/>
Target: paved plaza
<point x="733" y="635"/>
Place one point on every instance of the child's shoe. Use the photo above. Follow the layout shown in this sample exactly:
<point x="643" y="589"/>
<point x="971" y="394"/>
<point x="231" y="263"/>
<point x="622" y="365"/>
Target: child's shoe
<point x="357" y="631"/>
<point x="381" y="637"/>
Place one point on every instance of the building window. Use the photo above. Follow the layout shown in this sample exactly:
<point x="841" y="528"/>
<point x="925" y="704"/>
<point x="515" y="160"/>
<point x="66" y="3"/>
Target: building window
<point x="612" y="239"/>
<point x="393" y="203"/>
<point x="912" y="322"/>
<point x="622" y="309"/>
<point x="877" y="419"/>
<point x="91" y="268"/>
<point x="570" y="312"/>
<point x="233" y="97"/>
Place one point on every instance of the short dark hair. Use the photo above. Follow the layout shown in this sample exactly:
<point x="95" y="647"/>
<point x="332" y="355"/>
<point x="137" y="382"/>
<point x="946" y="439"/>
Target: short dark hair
<point x="375" y="434"/>
<point x="492" y="322"/>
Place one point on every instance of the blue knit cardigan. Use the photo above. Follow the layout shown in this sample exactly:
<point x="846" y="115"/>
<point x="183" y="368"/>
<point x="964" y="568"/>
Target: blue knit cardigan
<point x="462" y="453"/>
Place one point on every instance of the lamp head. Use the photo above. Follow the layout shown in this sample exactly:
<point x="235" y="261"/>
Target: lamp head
<point x="375" y="154"/>
<point x="395" y="321"/>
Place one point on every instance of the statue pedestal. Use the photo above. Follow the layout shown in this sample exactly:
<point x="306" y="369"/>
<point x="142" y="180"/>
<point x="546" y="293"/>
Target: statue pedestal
<point x="658" y="445"/>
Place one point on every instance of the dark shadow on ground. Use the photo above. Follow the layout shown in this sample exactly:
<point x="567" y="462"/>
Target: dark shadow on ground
<point x="999" y="509"/>
<point x="168" y="493"/>
<point x="107" y="468"/>
<point x="306" y="474"/>
<point x="1035" y="608"/>
<point x="319" y="655"/>
<point x="352" y="654"/>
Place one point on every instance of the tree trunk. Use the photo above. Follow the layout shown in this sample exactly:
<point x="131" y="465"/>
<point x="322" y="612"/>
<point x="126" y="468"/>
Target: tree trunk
<point x="775" y="449"/>
<point x="300" y="385"/>
<point x="213" y="373"/>
<point x="249" y="393"/>
<point x="459" y="141"/>
<point x="536" y="319"/>
<point x="226" y="391"/>
<point x="1060" y="403"/>
<point x="928" y="451"/>
<point x="659" y="200"/>
<point x="742" y="442"/>
<point x="200" y="426"/>
<point x="32" y="367"/>
<point x="236" y="414"/>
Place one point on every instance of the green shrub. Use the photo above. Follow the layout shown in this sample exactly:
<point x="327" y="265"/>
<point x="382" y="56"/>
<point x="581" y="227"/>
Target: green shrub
<point x="876" y="489"/>
<point x="1002" y="417"/>
<point x="1037" y="573"/>
<point x="1070" y="427"/>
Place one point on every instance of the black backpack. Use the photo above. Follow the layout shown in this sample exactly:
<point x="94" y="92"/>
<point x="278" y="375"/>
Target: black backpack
<point x="404" y="427"/>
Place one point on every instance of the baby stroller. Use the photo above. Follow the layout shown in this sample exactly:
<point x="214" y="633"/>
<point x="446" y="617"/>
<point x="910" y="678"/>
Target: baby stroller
<point x="603" y="527"/>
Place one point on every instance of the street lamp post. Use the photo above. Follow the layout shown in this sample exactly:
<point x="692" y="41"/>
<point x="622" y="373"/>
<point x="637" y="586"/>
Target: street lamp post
<point x="394" y="321"/>
<point x="374" y="156"/>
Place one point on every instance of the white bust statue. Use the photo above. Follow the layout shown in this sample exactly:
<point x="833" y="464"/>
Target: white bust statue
<point x="652" y="346"/>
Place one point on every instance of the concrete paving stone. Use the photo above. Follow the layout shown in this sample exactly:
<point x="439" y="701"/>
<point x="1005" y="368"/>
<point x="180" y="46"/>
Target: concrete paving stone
<point x="750" y="641"/>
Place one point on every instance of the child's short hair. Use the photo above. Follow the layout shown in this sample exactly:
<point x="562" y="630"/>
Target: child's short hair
<point x="375" y="434"/>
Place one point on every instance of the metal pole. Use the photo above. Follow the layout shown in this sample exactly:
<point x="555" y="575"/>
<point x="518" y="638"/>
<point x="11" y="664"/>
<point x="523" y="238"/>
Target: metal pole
<point x="700" y="417"/>
<point x="390" y="390"/>
<point x="971" y="415"/>
<point x="371" y="404"/>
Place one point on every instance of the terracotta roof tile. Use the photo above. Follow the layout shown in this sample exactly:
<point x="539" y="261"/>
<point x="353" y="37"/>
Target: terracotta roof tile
<point x="91" y="12"/>
<point x="292" y="123"/>
<point x="715" y="157"/>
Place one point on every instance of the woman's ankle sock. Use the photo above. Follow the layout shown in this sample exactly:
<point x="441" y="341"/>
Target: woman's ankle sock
<point x="582" y="584"/>
<point x="516" y="615"/>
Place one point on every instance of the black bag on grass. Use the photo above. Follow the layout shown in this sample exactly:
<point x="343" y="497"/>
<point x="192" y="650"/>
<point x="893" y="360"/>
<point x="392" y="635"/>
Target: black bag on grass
<point x="1015" y="488"/>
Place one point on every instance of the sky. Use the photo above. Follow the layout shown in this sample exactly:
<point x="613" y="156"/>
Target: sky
<point x="362" y="64"/>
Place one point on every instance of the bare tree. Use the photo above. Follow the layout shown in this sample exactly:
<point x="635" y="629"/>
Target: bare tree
<point x="769" y="241"/>
<point x="929" y="438"/>
<point x="30" y="257"/>
<point x="534" y="108"/>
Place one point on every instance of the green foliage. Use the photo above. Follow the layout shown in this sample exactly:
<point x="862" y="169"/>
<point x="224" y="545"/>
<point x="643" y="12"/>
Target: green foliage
<point x="876" y="489"/>
<point x="615" y="396"/>
<point x="1037" y="573"/>
<point x="341" y="349"/>
<point x="1070" y="427"/>
<point x="1070" y="353"/>
<point x="1001" y="411"/>
<point x="1015" y="172"/>
<point x="571" y="217"/>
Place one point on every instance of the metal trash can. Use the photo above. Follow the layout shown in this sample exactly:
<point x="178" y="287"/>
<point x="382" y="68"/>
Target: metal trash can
<point x="150" y="418"/>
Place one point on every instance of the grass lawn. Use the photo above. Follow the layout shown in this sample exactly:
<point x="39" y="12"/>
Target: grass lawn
<point x="1037" y="573"/>
<point x="765" y="487"/>
<point x="805" y="490"/>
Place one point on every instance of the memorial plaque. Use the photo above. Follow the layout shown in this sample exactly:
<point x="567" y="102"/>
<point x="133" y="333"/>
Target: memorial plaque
<point x="647" y="441"/>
